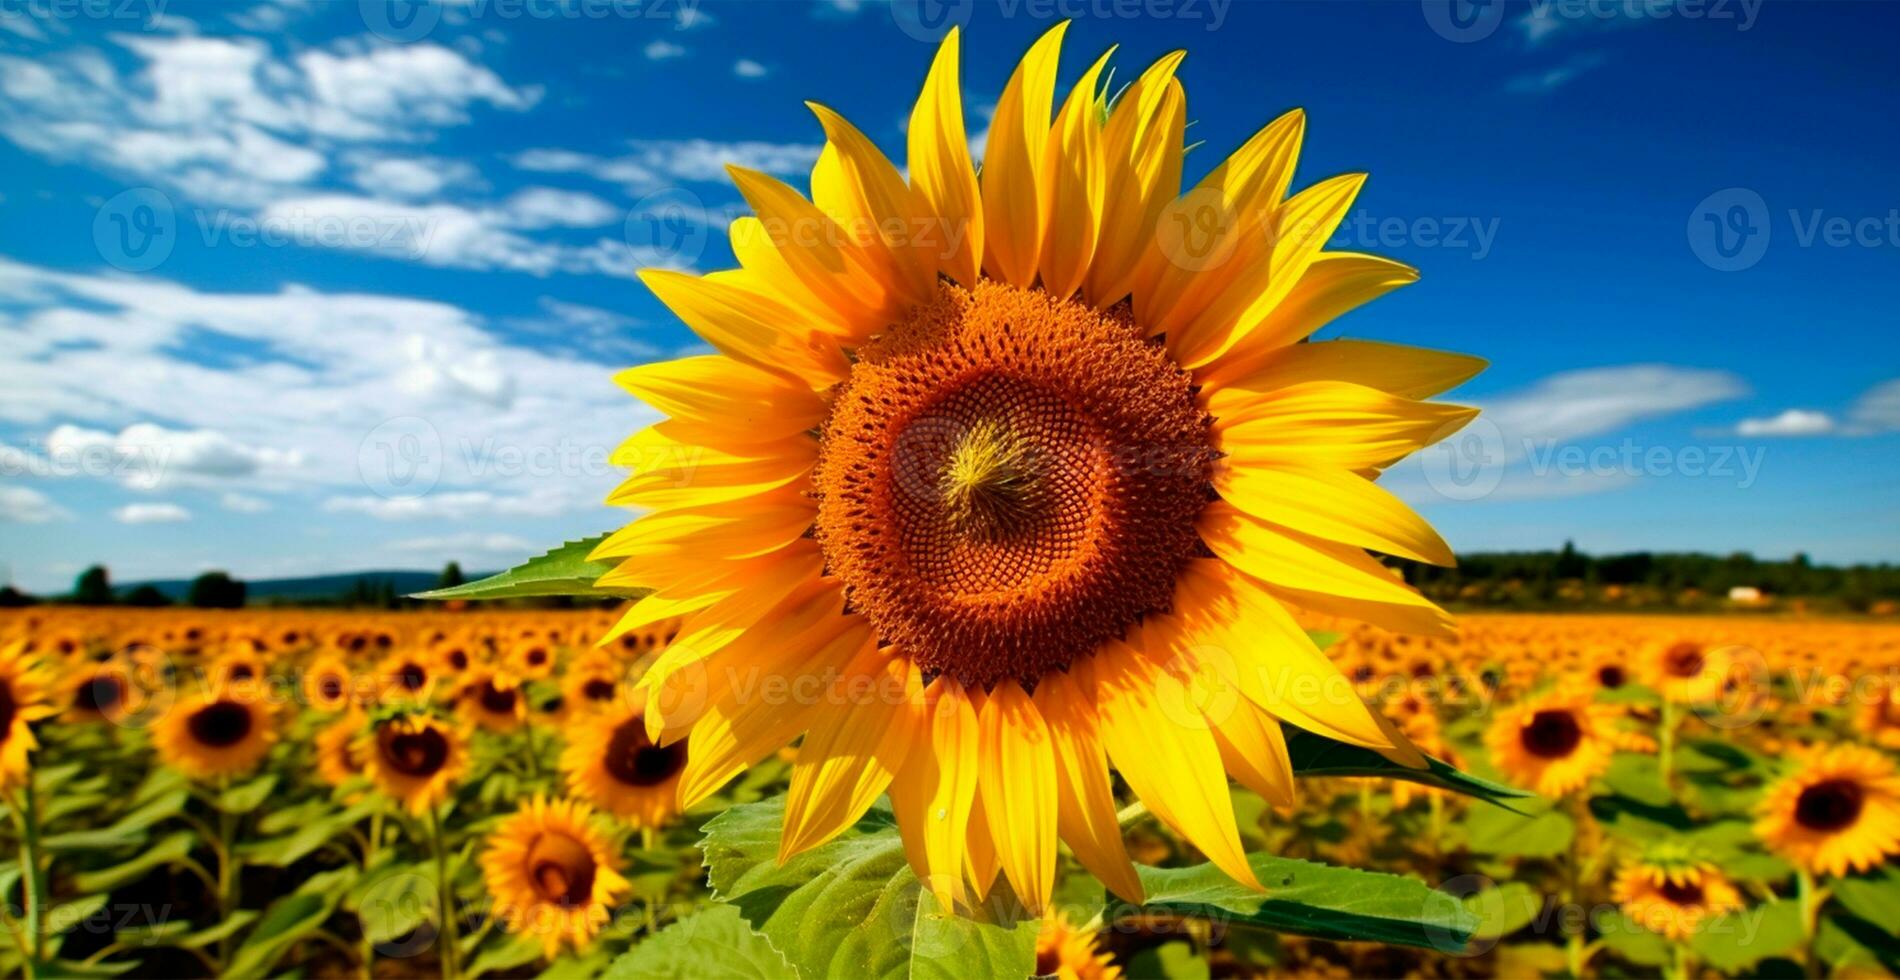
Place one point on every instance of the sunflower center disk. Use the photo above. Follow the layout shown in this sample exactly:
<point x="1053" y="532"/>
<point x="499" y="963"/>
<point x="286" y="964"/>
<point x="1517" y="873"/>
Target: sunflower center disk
<point x="633" y="759"/>
<point x="1008" y="480"/>
<point x="1829" y="806"/>
<point x="563" y="869"/>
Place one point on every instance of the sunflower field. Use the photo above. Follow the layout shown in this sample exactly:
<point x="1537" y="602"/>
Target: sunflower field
<point x="473" y="793"/>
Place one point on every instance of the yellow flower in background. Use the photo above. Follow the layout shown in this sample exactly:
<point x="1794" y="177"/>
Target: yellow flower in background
<point x="494" y="700"/>
<point x="223" y="731"/>
<point x="23" y="700"/>
<point x="1674" y="896"/>
<point x="414" y="759"/>
<point x="1016" y="478"/>
<point x="1068" y="953"/>
<point x="339" y="752"/>
<point x="553" y="876"/>
<point x="1553" y="743"/>
<point x="1688" y="671"/>
<point x="327" y="684"/>
<point x="1839" y="811"/>
<point x="610" y="761"/>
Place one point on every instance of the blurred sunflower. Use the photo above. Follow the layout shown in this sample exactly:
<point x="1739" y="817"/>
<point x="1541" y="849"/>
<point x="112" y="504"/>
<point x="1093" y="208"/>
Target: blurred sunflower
<point x="1673" y="893"/>
<point x="241" y="665"/>
<point x="552" y="874"/>
<point x="339" y="756"/>
<point x="1068" y="953"/>
<point x="1687" y="671"/>
<point x="405" y="677"/>
<point x="591" y="683"/>
<point x="23" y="700"/>
<point x="1878" y="717"/>
<point x="531" y="660"/>
<point x="494" y="700"/>
<point x="221" y="731"/>
<point x="412" y="758"/>
<point x="1554" y="743"/>
<point x="1839" y="811"/>
<point x="610" y="761"/>
<point x="97" y="692"/>
<point x="327" y="684"/>
<point x="1054" y="436"/>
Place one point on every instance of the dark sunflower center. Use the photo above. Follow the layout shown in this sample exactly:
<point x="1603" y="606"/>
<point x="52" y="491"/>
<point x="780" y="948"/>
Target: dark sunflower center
<point x="1683" y="893"/>
<point x="1611" y="676"/>
<point x="419" y="753"/>
<point x="1552" y="734"/>
<point x="562" y="869"/>
<point x="1008" y="480"/>
<point x="633" y="759"/>
<point x="459" y="659"/>
<point x="1685" y="660"/>
<point x="220" y="724"/>
<point x="499" y="700"/>
<point x="8" y="708"/>
<point x="537" y="657"/>
<point x="411" y="676"/>
<point x="332" y="687"/>
<point x="100" y="694"/>
<point x="242" y="672"/>
<point x="1830" y="806"/>
<point x="598" y="690"/>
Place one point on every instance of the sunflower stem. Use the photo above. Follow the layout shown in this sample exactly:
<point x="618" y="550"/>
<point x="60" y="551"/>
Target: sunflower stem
<point x="1810" y="900"/>
<point x="1131" y="814"/>
<point x="1573" y="886"/>
<point x="227" y="877"/>
<point x="445" y="897"/>
<point x="32" y="881"/>
<point x="1666" y="745"/>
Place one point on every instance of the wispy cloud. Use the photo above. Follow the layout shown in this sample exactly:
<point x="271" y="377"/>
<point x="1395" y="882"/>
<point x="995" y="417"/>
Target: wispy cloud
<point x="160" y="513"/>
<point x="747" y="68"/>
<point x="659" y="50"/>
<point x="1793" y="422"/>
<point x="1551" y="79"/>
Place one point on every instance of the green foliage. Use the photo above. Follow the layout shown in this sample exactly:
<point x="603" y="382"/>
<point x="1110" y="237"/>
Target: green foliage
<point x="564" y="571"/>
<point x="1317" y="755"/>
<point x="93" y="587"/>
<point x="216" y="590"/>
<point x="716" y="942"/>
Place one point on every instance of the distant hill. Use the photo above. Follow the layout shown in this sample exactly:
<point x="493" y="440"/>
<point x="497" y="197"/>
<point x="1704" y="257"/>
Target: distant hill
<point x="311" y="588"/>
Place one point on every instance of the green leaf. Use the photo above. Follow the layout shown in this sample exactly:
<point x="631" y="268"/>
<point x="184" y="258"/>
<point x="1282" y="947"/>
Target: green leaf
<point x="1317" y="755"/>
<point x="127" y="831"/>
<point x="1638" y="777"/>
<point x="1628" y="939"/>
<point x="715" y="942"/>
<point x="506" y="952"/>
<point x="396" y="904"/>
<point x="1539" y="831"/>
<point x="1874" y="896"/>
<point x="249" y="796"/>
<point x="170" y="850"/>
<point x="852" y="907"/>
<point x="1169" y="961"/>
<point x="1505" y="909"/>
<point x="282" y="852"/>
<point x="564" y="571"/>
<point x="1734" y="942"/>
<point x="1318" y="900"/>
<point x="288" y="920"/>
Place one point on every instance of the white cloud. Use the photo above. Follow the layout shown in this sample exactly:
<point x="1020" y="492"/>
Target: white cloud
<point x="24" y="505"/>
<point x="1877" y="410"/>
<point x="547" y="207"/>
<point x="652" y="164"/>
<point x="658" y="50"/>
<point x="1793" y="422"/>
<point x="238" y="503"/>
<point x="457" y="237"/>
<point x="1578" y="404"/>
<point x="452" y="505"/>
<point x="408" y="177"/>
<point x="838" y="9"/>
<point x="747" y="68"/>
<point x="451" y="545"/>
<point x="326" y="380"/>
<point x="151" y="514"/>
<point x="1553" y="78"/>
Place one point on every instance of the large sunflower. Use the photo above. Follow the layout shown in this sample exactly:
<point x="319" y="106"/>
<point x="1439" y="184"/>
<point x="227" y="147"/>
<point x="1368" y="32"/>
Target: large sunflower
<point x="23" y="700"/>
<point x="1001" y="481"/>
<point x="553" y="875"/>
<point x="1838" y="812"/>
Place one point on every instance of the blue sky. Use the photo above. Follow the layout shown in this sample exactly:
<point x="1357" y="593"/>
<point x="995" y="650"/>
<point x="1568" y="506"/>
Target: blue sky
<point x="302" y="287"/>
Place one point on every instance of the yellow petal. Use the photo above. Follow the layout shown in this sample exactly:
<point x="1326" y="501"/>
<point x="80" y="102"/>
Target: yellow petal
<point x="1019" y="791"/>
<point x="940" y="167"/>
<point x="1408" y="372"/>
<point x="749" y="326"/>
<point x="1074" y="180"/>
<point x="935" y="790"/>
<point x="1019" y="136"/>
<point x="716" y="477"/>
<point x="1253" y="748"/>
<point x="1142" y="151"/>
<point x="1335" y="283"/>
<point x="1295" y="234"/>
<point x="1085" y="814"/>
<point x="853" y="750"/>
<point x="719" y="393"/>
<point x="1328" y="423"/>
<point x="1278" y="555"/>
<point x="1162" y="747"/>
<point x="746" y="529"/>
<point x="815" y="251"/>
<point x="1337" y="505"/>
<point x="1394" y="616"/>
<point x="873" y="196"/>
<point x="687" y="682"/>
